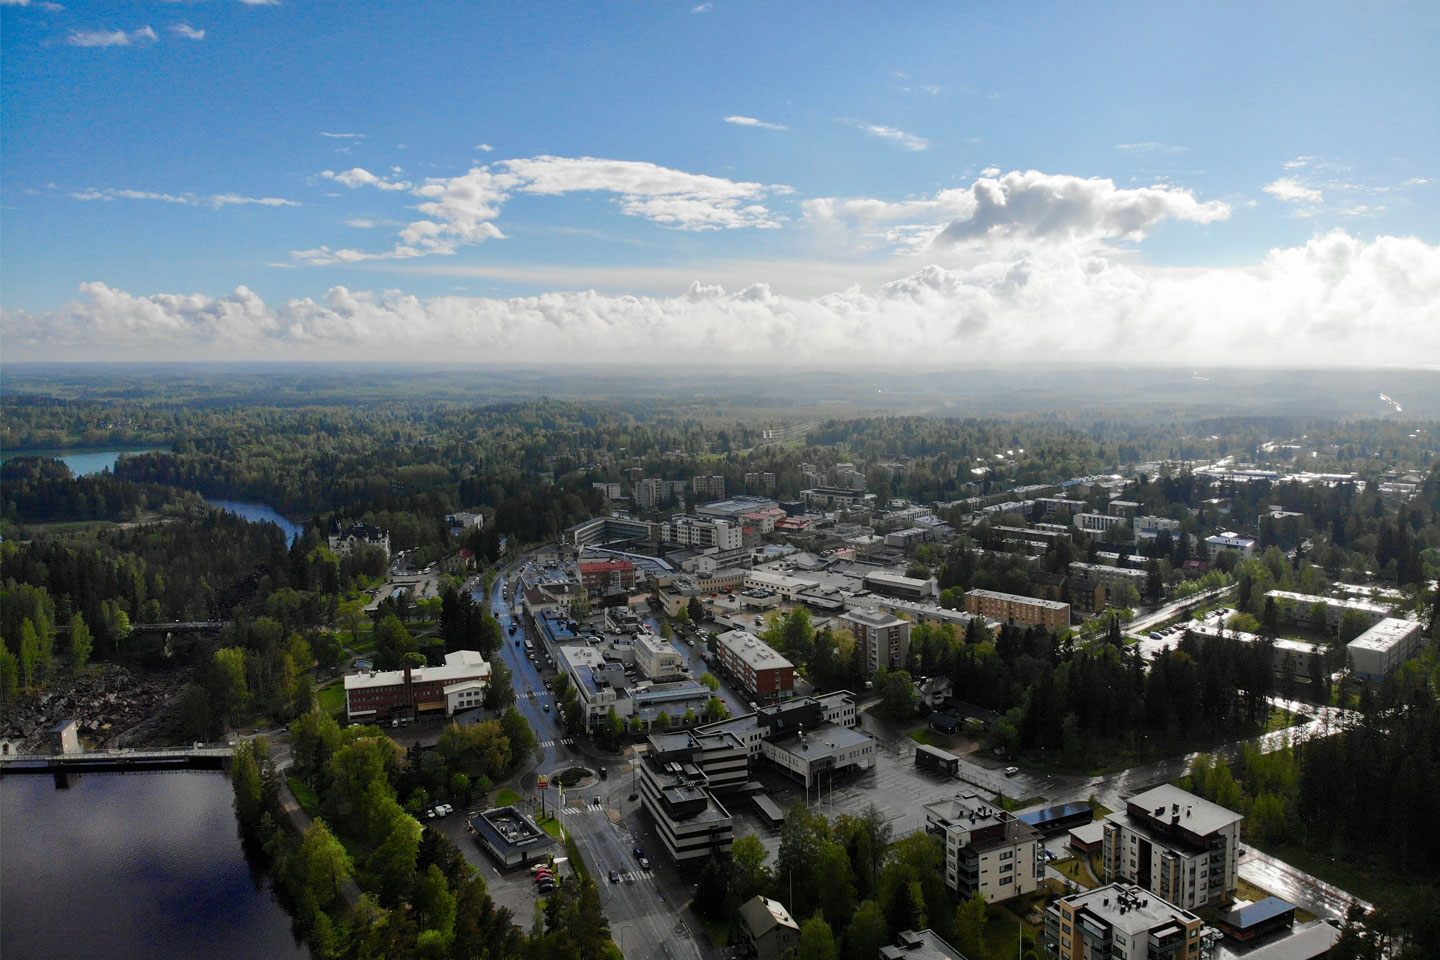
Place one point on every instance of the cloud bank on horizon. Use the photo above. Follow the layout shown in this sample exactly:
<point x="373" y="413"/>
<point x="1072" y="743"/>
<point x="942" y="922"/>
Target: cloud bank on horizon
<point x="1077" y="186"/>
<point x="1336" y="300"/>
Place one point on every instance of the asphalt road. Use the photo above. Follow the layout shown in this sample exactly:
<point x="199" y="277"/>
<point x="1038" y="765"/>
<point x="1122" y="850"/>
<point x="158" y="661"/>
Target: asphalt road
<point x="645" y="909"/>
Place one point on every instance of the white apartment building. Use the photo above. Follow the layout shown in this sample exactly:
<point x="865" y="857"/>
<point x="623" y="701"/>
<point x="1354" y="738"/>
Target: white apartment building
<point x="702" y="532"/>
<point x="657" y="657"/>
<point x="884" y="638"/>
<point x="1174" y="844"/>
<point x="1379" y="651"/>
<point x="1097" y="524"/>
<point x="987" y="850"/>
<point x="1229" y="540"/>
<point x="1327" y="613"/>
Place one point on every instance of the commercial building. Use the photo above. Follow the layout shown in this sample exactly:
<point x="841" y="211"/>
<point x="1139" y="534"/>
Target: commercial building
<point x="1176" y="845"/>
<point x="736" y="507"/>
<point x="418" y="691"/>
<point x="600" y="577"/>
<point x="1012" y="608"/>
<point x="767" y="930"/>
<point x="1379" y="651"/>
<point x="509" y="836"/>
<point x="837" y="498"/>
<point x="656" y="657"/>
<point x="883" y="638"/>
<point x="811" y="755"/>
<point x="920" y="945"/>
<point x="675" y="791"/>
<point x="789" y="588"/>
<point x="345" y="538"/>
<point x="1060" y="818"/>
<point x="987" y="850"/>
<point x="1123" y="922"/>
<point x="702" y="532"/>
<point x="765" y="675"/>
<point x="609" y="530"/>
<point x="1248" y="922"/>
<point x="895" y="585"/>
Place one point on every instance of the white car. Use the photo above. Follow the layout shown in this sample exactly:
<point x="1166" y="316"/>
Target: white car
<point x="1011" y="771"/>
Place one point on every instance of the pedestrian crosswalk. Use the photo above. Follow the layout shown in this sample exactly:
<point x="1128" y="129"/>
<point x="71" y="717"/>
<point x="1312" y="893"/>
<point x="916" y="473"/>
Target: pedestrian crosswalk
<point x="589" y="806"/>
<point x="560" y="742"/>
<point x="534" y="695"/>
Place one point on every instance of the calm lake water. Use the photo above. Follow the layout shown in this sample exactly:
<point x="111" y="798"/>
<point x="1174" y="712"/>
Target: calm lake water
<point x="258" y="513"/>
<point x="132" y="867"/>
<point x="81" y="463"/>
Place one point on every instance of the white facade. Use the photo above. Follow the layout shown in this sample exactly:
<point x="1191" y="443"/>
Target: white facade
<point x="1176" y="845"/>
<point x="1232" y="541"/>
<point x="702" y="532"/>
<point x="657" y="657"/>
<point x="1379" y="651"/>
<point x="987" y="850"/>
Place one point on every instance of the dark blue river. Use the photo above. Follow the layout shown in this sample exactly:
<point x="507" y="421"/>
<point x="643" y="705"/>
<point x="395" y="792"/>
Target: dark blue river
<point x="131" y="867"/>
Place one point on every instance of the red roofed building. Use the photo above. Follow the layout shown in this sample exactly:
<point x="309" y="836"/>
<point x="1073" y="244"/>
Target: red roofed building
<point x="793" y="524"/>
<point x="602" y="576"/>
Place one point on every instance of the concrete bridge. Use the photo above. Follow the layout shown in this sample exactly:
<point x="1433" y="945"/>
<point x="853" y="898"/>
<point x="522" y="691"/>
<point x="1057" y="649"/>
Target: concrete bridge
<point x="198" y="757"/>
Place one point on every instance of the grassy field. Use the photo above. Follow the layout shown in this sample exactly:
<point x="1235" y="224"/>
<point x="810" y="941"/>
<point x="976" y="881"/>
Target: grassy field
<point x="930" y="738"/>
<point x="550" y="825"/>
<point x="304" y="796"/>
<point x="1076" y="870"/>
<point x="331" y="699"/>
<point x="1002" y="926"/>
<point x="506" y="798"/>
<point x="1007" y="803"/>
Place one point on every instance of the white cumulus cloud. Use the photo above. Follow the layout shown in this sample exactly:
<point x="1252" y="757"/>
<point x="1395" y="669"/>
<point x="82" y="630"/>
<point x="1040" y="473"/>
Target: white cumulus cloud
<point x="1334" y="297"/>
<point x="1292" y="190"/>
<point x="462" y="209"/>
<point x="1029" y="206"/>
<point x="187" y="31"/>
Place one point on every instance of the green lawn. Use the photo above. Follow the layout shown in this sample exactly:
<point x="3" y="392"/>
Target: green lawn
<point x="1001" y="929"/>
<point x="1006" y="803"/>
<point x="550" y="825"/>
<point x="506" y="798"/>
<point x="304" y="796"/>
<point x="930" y="738"/>
<point x="1075" y="869"/>
<point x="331" y="699"/>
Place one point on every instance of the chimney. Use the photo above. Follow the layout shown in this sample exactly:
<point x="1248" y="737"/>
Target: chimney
<point x="409" y="688"/>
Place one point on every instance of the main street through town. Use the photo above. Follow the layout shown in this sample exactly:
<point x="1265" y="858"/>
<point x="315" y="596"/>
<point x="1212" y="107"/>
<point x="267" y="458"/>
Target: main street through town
<point x="645" y="907"/>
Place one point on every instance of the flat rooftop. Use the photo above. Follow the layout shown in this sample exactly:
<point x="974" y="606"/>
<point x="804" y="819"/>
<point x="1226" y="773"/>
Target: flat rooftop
<point x="1385" y="635"/>
<point x="1017" y="598"/>
<point x="1130" y="909"/>
<point x="460" y="665"/>
<point x="754" y="652"/>
<point x="823" y="741"/>
<point x="1197" y="815"/>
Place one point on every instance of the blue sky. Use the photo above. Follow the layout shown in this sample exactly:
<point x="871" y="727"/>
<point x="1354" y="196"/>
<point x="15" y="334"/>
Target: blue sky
<point x="429" y="159"/>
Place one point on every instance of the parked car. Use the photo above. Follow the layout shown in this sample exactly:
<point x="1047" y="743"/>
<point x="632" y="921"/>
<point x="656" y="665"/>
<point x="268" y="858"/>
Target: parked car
<point x="1011" y="771"/>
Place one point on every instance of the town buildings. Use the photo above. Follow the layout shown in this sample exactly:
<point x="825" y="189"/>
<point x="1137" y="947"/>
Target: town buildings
<point x="883" y="638"/>
<point x="600" y="577"/>
<point x="676" y="793"/>
<point x="345" y="538"/>
<point x="708" y="488"/>
<point x="1230" y="540"/>
<point x="987" y="850"/>
<point x="418" y="691"/>
<point x="919" y="945"/>
<point x="1379" y="651"/>
<point x="1122" y="921"/>
<point x="765" y="675"/>
<point x="1174" y="844"/>
<point x="1012" y="608"/>
<point x="702" y="532"/>
<point x="767" y="931"/>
